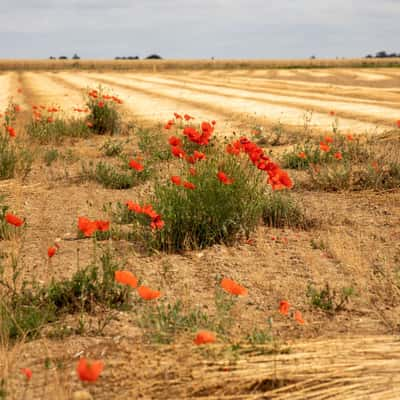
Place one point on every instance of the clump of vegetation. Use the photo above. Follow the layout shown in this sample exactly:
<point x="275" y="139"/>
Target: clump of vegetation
<point x="281" y="210"/>
<point x="50" y="156"/>
<point x="328" y="299"/>
<point x="103" y="114"/>
<point x="218" y="196"/>
<point x="116" y="176"/>
<point x="47" y="126"/>
<point x="112" y="148"/>
<point x="23" y="313"/>
<point x="153" y="145"/>
<point x="15" y="158"/>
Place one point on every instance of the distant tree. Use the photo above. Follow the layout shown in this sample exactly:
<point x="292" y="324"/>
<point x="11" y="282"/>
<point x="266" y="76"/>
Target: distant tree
<point x="313" y="57"/>
<point x="133" y="58"/>
<point x="76" y="57"/>
<point x="368" y="56"/>
<point x="117" y="58"/>
<point x="63" y="58"/>
<point x="381" y="54"/>
<point x="153" y="57"/>
<point x="52" y="58"/>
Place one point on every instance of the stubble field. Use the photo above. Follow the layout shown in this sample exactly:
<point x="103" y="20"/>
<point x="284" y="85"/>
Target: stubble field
<point x="339" y="266"/>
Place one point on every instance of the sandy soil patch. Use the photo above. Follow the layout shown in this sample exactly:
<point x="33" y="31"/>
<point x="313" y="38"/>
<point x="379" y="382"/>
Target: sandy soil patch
<point x="6" y="90"/>
<point x="265" y="105"/>
<point x="150" y="107"/>
<point x="46" y="91"/>
<point x="289" y="88"/>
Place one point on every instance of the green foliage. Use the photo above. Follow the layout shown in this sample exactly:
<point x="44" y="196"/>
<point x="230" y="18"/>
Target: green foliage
<point x="5" y="228"/>
<point x="103" y="114"/>
<point x="281" y="210"/>
<point x="14" y="157"/>
<point x="153" y="145"/>
<point x="8" y="158"/>
<point x="292" y="160"/>
<point x="24" y="313"/>
<point x="328" y="299"/>
<point x="59" y="128"/>
<point x="163" y="322"/>
<point x="50" y="156"/>
<point x="115" y="177"/>
<point x="332" y="177"/>
<point x="213" y="212"/>
<point x="112" y="148"/>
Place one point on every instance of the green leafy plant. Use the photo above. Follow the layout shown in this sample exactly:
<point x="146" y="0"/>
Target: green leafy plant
<point x="25" y="312"/>
<point x="281" y="210"/>
<point x="103" y="114"/>
<point x="115" y="177"/>
<point x="328" y="299"/>
<point x="53" y="129"/>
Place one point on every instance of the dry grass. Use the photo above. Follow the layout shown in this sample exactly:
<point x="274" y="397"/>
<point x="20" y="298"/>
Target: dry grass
<point x="162" y="65"/>
<point x="346" y="369"/>
<point x="352" y="368"/>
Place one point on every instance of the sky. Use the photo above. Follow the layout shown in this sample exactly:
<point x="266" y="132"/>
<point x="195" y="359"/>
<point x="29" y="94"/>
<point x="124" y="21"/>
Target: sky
<point x="184" y="29"/>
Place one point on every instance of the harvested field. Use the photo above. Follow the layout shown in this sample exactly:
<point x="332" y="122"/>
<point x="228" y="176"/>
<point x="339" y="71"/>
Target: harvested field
<point x="333" y="257"/>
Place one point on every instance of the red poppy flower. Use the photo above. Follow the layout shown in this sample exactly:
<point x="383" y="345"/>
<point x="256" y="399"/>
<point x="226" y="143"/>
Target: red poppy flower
<point x="324" y="147"/>
<point x="328" y="139"/>
<point x="126" y="278"/>
<point x="177" y="152"/>
<point x="349" y="137"/>
<point x="89" y="371"/>
<point x="338" y="155"/>
<point x="100" y="104"/>
<point x="232" y="149"/>
<point x="136" y="165"/>
<point x="157" y="223"/>
<point x="148" y="294"/>
<point x="189" y="185"/>
<point x="11" y="131"/>
<point x="149" y="211"/>
<point x="398" y="123"/>
<point x="204" y="337"/>
<point x="284" y="307"/>
<point x="224" y="179"/>
<point x="192" y="171"/>
<point x="174" y="141"/>
<point x="133" y="206"/>
<point x="27" y="372"/>
<point x="187" y="117"/>
<point x="199" y="155"/>
<point x="298" y="317"/>
<point x="17" y="108"/>
<point x="86" y="226"/>
<point x="375" y="166"/>
<point x="176" y="180"/>
<point x="102" y="226"/>
<point x="177" y="116"/>
<point x="302" y="155"/>
<point x="51" y="251"/>
<point x="213" y="122"/>
<point x="191" y="160"/>
<point x="232" y="287"/>
<point x="332" y="113"/>
<point x="14" y="220"/>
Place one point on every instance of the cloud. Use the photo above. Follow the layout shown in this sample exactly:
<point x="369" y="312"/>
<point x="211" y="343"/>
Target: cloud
<point x="194" y="28"/>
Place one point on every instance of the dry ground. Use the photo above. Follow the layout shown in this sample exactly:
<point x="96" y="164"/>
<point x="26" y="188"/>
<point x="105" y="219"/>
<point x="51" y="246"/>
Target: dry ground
<point x="360" y="233"/>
